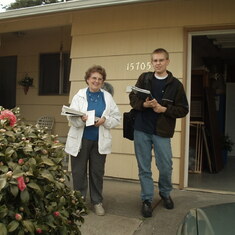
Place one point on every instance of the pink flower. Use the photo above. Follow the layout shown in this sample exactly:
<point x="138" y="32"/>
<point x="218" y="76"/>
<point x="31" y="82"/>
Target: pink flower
<point x="21" y="183"/>
<point x="21" y="161"/>
<point x="7" y="114"/>
<point x="56" y="213"/>
<point x="18" y="217"/>
<point x="38" y="230"/>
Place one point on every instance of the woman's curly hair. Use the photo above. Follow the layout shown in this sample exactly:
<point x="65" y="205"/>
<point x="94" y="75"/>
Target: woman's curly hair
<point x="96" y="68"/>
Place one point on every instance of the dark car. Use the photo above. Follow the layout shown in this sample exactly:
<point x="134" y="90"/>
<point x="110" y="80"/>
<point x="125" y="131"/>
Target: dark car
<point x="210" y="220"/>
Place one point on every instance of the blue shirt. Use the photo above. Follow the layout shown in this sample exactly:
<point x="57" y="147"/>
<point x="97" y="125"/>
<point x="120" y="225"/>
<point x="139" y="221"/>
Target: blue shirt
<point x="95" y="102"/>
<point x="146" y="120"/>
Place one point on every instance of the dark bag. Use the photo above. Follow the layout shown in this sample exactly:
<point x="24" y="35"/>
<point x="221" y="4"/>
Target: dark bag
<point x="128" y="124"/>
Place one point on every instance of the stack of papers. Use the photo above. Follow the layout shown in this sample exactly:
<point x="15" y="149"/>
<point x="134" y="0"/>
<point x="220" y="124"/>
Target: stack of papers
<point x="67" y="111"/>
<point x="142" y="93"/>
<point x="91" y="119"/>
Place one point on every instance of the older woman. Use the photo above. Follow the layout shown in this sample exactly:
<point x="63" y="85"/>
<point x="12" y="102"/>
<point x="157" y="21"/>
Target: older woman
<point x="91" y="143"/>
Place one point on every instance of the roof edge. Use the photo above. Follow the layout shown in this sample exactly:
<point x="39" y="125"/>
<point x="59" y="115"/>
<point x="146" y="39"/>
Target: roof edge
<point x="63" y="6"/>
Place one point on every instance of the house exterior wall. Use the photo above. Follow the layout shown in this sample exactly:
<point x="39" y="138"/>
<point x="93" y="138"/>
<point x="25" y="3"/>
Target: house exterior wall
<point x="120" y="38"/>
<point x="115" y="37"/>
<point x="27" y="46"/>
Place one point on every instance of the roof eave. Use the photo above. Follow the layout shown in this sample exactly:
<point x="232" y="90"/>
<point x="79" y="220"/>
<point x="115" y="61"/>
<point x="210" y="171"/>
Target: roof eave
<point x="63" y="6"/>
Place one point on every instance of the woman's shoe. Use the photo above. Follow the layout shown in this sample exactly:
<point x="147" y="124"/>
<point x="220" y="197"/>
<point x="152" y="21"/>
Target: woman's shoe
<point x="99" y="210"/>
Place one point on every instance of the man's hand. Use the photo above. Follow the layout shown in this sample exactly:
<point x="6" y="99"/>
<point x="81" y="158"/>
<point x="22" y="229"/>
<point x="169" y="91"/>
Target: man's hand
<point x="154" y="105"/>
<point x="159" y="109"/>
<point x="150" y="103"/>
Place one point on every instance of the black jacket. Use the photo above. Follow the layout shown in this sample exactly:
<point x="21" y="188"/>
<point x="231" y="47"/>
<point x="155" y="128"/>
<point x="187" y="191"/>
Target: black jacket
<point x="174" y="99"/>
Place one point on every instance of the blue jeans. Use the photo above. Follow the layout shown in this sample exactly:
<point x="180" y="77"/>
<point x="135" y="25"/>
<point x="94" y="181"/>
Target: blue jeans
<point x="144" y="143"/>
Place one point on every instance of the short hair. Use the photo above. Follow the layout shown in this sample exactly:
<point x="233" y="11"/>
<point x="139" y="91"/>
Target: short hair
<point x="161" y="50"/>
<point x="96" y="68"/>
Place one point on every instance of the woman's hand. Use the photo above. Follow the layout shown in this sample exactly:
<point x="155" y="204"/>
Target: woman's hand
<point x="84" y="118"/>
<point x="100" y="121"/>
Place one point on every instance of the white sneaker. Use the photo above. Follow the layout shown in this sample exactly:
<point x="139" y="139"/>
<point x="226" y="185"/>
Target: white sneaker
<point x="99" y="210"/>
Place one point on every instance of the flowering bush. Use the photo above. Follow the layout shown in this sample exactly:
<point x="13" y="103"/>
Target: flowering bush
<point x="34" y="198"/>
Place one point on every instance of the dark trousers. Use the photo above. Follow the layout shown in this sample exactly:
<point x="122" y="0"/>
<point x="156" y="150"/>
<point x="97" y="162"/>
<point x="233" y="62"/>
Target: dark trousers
<point x="89" y="153"/>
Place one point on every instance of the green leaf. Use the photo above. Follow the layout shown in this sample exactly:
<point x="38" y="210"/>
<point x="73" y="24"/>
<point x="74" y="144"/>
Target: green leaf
<point x="24" y="195"/>
<point x="12" y="226"/>
<point x="21" y="232"/>
<point x="32" y="135"/>
<point x="63" y="230"/>
<point x="3" y="211"/>
<point x="14" y="190"/>
<point x="65" y="213"/>
<point x="3" y="229"/>
<point x="29" y="172"/>
<point x="10" y="134"/>
<point x="50" y="221"/>
<point x="3" y="182"/>
<point x="54" y="168"/>
<point x="59" y="185"/>
<point x="47" y="175"/>
<point x="47" y="161"/>
<point x="9" y="151"/>
<point x="28" y="148"/>
<point x="57" y="160"/>
<point x="36" y="149"/>
<point x="12" y="165"/>
<point x="17" y="173"/>
<point x="4" y="169"/>
<point x="28" y="225"/>
<point x="35" y="187"/>
<point x="32" y="161"/>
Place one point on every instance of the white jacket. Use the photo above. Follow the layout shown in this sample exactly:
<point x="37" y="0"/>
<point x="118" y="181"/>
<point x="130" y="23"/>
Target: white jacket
<point x="111" y="113"/>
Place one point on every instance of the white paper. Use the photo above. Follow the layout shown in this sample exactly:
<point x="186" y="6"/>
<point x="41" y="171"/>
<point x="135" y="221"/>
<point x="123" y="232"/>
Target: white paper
<point x="67" y="111"/>
<point x="91" y="117"/>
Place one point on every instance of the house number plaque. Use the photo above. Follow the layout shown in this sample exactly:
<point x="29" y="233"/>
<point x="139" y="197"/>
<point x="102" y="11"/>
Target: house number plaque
<point x="138" y="66"/>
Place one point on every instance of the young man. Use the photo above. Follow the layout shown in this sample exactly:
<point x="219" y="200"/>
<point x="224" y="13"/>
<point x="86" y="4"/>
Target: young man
<point x="154" y="127"/>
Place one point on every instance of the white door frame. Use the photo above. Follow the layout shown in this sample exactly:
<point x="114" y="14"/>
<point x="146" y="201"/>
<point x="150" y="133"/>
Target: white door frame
<point x="188" y="88"/>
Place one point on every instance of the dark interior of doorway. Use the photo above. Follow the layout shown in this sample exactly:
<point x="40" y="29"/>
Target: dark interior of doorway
<point x="211" y="165"/>
<point x="8" y="69"/>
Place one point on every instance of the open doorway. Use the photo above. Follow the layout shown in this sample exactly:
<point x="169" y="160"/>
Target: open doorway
<point x="211" y="164"/>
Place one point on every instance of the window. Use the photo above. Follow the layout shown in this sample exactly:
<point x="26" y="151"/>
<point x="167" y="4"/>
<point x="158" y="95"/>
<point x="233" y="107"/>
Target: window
<point x="54" y="74"/>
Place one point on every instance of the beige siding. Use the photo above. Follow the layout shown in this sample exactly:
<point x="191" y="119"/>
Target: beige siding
<point x="116" y="51"/>
<point x="27" y="47"/>
<point x="152" y="15"/>
<point x="115" y="37"/>
<point x="122" y="166"/>
<point x="117" y="66"/>
<point x="115" y="40"/>
<point x="125" y="166"/>
<point x="116" y="43"/>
